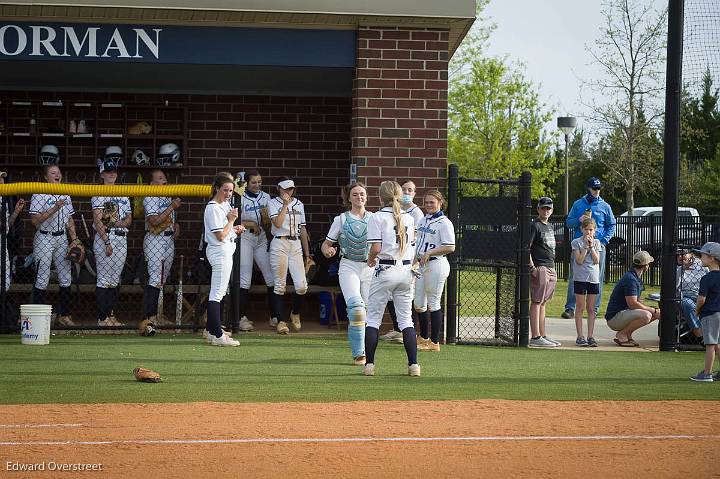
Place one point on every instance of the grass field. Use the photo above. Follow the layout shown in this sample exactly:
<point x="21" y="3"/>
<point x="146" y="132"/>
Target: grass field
<point x="97" y="369"/>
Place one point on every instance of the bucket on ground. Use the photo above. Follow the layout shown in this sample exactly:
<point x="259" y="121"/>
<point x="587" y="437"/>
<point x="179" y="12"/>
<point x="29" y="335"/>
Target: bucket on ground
<point x="35" y="323"/>
<point x="326" y="306"/>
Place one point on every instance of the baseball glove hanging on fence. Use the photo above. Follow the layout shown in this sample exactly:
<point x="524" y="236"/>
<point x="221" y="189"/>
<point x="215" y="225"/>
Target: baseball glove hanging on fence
<point x="146" y="328"/>
<point x="156" y="230"/>
<point x="110" y="214"/>
<point x="76" y="252"/>
<point x="265" y="220"/>
<point x="146" y="375"/>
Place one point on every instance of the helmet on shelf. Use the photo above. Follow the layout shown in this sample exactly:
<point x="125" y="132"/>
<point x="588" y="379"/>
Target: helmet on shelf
<point x="49" y="155"/>
<point x="140" y="158"/>
<point x="168" y="155"/>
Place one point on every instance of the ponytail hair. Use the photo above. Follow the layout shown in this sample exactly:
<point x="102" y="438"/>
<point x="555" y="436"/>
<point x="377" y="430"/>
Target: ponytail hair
<point x="345" y="194"/>
<point x="390" y="194"/>
<point x="220" y="179"/>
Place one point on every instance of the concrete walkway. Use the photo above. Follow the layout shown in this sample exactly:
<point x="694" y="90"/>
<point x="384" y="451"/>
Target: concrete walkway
<point x="563" y="330"/>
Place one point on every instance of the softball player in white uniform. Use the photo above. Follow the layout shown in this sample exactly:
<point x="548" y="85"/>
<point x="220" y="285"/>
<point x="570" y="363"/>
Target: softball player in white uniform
<point x="9" y="221"/>
<point x="391" y="234"/>
<point x="254" y="246"/>
<point x="220" y="235"/>
<point x="161" y="231"/>
<point x="406" y="203"/>
<point x="290" y="241"/>
<point x="435" y="239"/>
<point x="52" y="216"/>
<point x="350" y="231"/>
<point x="109" y="246"/>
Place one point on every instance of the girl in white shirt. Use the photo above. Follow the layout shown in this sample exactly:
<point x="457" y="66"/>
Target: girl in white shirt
<point x="220" y="235"/>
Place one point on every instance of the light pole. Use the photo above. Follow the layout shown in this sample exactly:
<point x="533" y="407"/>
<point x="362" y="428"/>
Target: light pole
<point x="567" y="125"/>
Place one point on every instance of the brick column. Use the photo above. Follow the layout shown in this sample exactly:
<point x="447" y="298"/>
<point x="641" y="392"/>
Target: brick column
<point x="399" y="111"/>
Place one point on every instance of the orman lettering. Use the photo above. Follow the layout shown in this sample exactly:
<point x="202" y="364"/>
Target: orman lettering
<point x="79" y="41"/>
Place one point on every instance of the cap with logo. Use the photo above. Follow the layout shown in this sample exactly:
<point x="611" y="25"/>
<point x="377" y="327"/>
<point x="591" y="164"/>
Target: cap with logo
<point x="286" y="184"/>
<point x="642" y="258"/>
<point x="710" y="248"/>
<point x="545" y="202"/>
<point x="594" y="183"/>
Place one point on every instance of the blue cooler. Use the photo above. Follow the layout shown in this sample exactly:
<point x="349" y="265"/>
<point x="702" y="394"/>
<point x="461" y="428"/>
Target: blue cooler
<point x="326" y="306"/>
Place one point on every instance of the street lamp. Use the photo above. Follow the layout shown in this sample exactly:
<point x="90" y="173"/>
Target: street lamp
<point x="567" y="125"/>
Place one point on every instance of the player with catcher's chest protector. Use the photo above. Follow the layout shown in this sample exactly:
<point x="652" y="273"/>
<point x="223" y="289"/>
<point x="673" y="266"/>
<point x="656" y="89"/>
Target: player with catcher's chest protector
<point x="51" y="215"/>
<point x="161" y="231"/>
<point x="112" y="216"/>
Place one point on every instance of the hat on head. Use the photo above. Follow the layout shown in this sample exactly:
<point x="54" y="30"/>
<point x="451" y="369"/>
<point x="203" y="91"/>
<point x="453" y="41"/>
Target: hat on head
<point x="107" y="165"/>
<point x="286" y="184"/>
<point x="545" y="202"/>
<point x="593" y="182"/>
<point x="3" y="174"/>
<point x="642" y="258"/>
<point x="710" y="248"/>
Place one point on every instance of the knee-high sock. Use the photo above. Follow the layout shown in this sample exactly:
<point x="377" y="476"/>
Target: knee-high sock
<point x="103" y="299"/>
<point x="64" y="294"/>
<point x="393" y="315"/>
<point x="271" y="302"/>
<point x="424" y="320"/>
<point x="415" y="317"/>
<point x="436" y="321"/>
<point x="297" y="303"/>
<point x="152" y="294"/>
<point x="410" y="343"/>
<point x="114" y="298"/>
<point x="38" y="296"/>
<point x="213" y="319"/>
<point x="243" y="300"/>
<point x="278" y="300"/>
<point x="371" y="340"/>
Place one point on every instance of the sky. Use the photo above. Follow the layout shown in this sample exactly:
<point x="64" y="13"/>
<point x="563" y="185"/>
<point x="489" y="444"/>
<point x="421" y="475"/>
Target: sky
<point x="549" y="37"/>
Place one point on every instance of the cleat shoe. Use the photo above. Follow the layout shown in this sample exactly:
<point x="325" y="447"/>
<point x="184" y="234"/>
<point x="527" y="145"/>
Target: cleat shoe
<point x="359" y="361"/>
<point x="422" y="343"/>
<point x="702" y="376"/>
<point x="66" y="321"/>
<point x="391" y="336"/>
<point x="223" y="340"/>
<point x="295" y="319"/>
<point x="554" y="341"/>
<point x="540" y="343"/>
<point x="245" y="325"/>
<point x="430" y="346"/>
<point x="273" y="322"/>
<point x="414" y="370"/>
<point x="369" y="369"/>
<point x="110" y="321"/>
<point x="282" y="328"/>
<point x="208" y="337"/>
<point x="568" y="313"/>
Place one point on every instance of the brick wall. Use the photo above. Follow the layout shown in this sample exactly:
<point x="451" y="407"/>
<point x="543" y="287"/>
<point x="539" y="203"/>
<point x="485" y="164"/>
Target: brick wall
<point x="399" y="109"/>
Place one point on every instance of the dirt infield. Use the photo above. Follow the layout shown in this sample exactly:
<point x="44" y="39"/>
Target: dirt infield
<point x="485" y="438"/>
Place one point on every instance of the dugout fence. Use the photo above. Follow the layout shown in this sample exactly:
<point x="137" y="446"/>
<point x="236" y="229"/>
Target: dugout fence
<point x="488" y="288"/>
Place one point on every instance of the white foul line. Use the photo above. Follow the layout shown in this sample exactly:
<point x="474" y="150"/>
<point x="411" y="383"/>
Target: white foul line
<point x="363" y="439"/>
<point x="33" y="426"/>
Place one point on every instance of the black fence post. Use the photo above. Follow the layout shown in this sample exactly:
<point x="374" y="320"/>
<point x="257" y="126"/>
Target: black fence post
<point x="452" y="281"/>
<point x="524" y="266"/>
<point x="5" y="321"/>
<point x="669" y="301"/>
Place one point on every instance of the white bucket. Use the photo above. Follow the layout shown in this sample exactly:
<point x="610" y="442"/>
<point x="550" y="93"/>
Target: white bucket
<point x="35" y="323"/>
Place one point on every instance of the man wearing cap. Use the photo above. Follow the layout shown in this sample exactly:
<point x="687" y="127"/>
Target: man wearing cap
<point x="543" y="277"/>
<point x="625" y="313"/>
<point x="590" y="206"/>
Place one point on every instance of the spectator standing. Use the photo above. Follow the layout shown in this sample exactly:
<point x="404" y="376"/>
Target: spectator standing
<point x="590" y="206"/>
<point x="708" y="309"/>
<point x="586" y="279"/>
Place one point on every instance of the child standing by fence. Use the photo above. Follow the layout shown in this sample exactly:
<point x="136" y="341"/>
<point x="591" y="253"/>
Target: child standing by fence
<point x="586" y="279"/>
<point x="708" y="309"/>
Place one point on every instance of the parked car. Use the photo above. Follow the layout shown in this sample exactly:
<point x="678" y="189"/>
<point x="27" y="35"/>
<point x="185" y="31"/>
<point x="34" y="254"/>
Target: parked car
<point x="643" y="230"/>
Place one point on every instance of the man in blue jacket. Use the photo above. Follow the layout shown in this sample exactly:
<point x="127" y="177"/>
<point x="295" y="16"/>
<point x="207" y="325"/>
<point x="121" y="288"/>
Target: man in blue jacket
<point x="590" y="205"/>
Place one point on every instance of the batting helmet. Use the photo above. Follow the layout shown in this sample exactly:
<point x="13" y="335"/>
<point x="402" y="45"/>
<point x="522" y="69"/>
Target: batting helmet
<point x="168" y="155"/>
<point x="140" y="158"/>
<point x="49" y="155"/>
<point x="114" y="154"/>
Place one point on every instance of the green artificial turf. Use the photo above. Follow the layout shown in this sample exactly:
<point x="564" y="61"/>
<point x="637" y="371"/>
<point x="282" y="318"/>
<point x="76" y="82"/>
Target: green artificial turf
<point x="266" y="367"/>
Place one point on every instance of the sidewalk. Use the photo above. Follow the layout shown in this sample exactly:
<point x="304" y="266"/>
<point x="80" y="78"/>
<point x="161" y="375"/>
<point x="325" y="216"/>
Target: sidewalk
<point x="564" y="331"/>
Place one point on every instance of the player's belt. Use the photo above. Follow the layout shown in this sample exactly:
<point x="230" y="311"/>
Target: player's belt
<point x="53" y="233"/>
<point x="291" y="238"/>
<point x="118" y="232"/>
<point x="393" y="262"/>
<point x="166" y="233"/>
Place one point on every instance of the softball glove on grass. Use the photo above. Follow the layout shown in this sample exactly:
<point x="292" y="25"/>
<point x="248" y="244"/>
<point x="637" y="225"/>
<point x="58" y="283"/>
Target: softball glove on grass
<point x="146" y="375"/>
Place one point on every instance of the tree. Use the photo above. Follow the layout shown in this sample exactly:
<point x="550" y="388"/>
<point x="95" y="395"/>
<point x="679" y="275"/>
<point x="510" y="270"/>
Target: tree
<point x="630" y="53"/>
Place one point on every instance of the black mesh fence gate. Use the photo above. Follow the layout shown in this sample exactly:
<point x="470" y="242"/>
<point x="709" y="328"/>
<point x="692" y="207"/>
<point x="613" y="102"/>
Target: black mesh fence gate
<point x="489" y="285"/>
